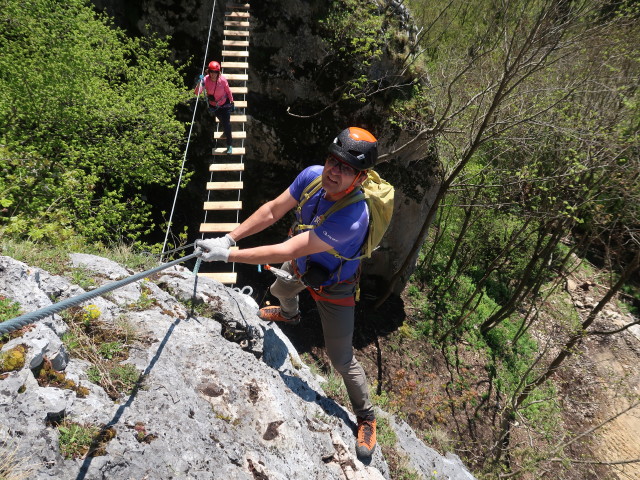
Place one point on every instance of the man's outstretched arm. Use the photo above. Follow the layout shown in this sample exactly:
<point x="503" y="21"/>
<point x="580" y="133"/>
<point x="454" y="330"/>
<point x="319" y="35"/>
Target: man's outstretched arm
<point x="265" y="216"/>
<point x="301" y="245"/>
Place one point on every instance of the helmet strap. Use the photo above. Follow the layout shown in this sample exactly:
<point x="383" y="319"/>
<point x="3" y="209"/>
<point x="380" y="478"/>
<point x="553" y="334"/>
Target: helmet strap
<point x="351" y="187"/>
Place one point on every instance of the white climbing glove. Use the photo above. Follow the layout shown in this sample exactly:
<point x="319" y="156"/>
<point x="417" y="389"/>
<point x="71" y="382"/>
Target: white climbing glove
<point x="212" y="253"/>
<point x="224" y="242"/>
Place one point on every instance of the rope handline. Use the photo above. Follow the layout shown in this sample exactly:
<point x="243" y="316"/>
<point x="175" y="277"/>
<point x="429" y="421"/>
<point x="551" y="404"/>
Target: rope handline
<point x="31" y="317"/>
<point x="195" y="109"/>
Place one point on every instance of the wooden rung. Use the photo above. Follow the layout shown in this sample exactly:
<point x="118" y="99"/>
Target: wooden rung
<point x="237" y="14"/>
<point x="236" y="119"/>
<point x="222" y="277"/>
<point x="236" y="33"/>
<point x="244" y="65"/>
<point x="218" y="227"/>
<point x="225" y="185"/>
<point x="234" y="205"/>
<point x="237" y="76"/>
<point x="238" y="134"/>
<point x="239" y="89"/>
<point x="226" y="167"/>
<point x="235" y="53"/>
<point x="240" y="104"/>
<point x="236" y="23"/>
<point x="223" y="151"/>
<point x="244" y="6"/>
<point x="235" y="43"/>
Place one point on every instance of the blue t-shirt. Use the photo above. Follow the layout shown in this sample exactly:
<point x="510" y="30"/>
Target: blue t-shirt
<point x="345" y="229"/>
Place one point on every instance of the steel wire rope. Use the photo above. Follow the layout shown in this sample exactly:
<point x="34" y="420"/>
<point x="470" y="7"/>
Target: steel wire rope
<point x="31" y="317"/>
<point x="195" y="109"/>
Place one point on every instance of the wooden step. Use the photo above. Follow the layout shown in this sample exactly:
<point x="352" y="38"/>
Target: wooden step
<point x="237" y="14"/>
<point x="243" y="65"/>
<point x="238" y="134"/>
<point x="226" y="167"/>
<point x="236" y="33"/>
<point x="235" y="205"/>
<point x="236" y="119"/>
<point x="237" y="76"/>
<point x="227" y="278"/>
<point x="235" y="43"/>
<point x="239" y="89"/>
<point x="236" y="23"/>
<point x="218" y="227"/>
<point x="240" y="104"/>
<point x="225" y="185"/>
<point x="223" y="151"/>
<point x="235" y="53"/>
<point x="243" y="6"/>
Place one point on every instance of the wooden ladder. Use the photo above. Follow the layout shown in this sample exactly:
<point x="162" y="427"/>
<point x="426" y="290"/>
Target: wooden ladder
<point x="225" y="186"/>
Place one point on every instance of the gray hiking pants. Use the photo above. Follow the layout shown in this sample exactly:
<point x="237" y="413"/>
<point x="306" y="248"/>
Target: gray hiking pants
<point x="337" y="327"/>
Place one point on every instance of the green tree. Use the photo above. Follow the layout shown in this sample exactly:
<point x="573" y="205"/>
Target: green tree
<point x="87" y="122"/>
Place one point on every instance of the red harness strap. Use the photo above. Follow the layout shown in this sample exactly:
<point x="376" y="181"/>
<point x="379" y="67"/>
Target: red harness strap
<point x="318" y="297"/>
<point x="343" y="302"/>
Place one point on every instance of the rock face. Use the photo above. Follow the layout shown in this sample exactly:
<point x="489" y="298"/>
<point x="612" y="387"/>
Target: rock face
<point x="211" y="404"/>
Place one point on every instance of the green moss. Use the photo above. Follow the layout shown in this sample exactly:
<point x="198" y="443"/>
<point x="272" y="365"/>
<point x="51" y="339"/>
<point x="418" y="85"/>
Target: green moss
<point x="13" y="359"/>
<point x="46" y="376"/>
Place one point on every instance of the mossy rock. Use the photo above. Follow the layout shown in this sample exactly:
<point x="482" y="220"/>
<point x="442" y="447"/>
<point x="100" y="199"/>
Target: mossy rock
<point x="13" y="359"/>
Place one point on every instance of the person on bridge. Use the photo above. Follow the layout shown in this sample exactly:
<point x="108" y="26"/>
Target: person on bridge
<point x="219" y="97"/>
<point x="330" y="280"/>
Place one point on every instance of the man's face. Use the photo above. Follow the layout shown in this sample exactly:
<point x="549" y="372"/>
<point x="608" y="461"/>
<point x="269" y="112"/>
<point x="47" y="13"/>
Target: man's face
<point x="337" y="176"/>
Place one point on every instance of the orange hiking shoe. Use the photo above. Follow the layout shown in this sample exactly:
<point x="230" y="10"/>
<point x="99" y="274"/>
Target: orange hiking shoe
<point x="274" y="314"/>
<point x="366" y="442"/>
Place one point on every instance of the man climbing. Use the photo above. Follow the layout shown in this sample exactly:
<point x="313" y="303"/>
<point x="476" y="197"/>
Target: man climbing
<point x="331" y="279"/>
<point x="219" y="97"/>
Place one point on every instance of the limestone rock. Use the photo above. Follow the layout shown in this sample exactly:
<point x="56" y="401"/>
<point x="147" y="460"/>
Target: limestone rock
<point x="208" y="406"/>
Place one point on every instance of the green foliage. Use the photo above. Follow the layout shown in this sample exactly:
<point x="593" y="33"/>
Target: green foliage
<point x="384" y="433"/>
<point x="355" y="31"/>
<point x="80" y="440"/>
<point x="86" y="122"/>
<point x="109" y="350"/>
<point x="75" y="439"/>
<point x="81" y="276"/>
<point x="54" y="258"/>
<point x="126" y="377"/>
<point x="8" y="309"/>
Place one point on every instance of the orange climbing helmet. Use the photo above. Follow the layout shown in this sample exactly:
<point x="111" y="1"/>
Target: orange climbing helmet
<point x="356" y="147"/>
<point x="214" y="67"/>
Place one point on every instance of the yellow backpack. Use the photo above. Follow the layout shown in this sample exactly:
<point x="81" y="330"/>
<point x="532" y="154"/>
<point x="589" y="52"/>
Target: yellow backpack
<point x="377" y="192"/>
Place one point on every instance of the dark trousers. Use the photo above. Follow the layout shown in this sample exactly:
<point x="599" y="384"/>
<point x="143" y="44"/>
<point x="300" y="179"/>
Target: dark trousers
<point x="337" y="328"/>
<point x="223" y="113"/>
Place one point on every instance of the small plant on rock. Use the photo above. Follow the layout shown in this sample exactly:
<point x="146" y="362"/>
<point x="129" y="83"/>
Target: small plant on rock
<point x="79" y="441"/>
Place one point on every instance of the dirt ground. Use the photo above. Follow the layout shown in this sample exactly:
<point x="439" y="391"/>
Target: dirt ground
<point x="593" y="387"/>
<point x="608" y="378"/>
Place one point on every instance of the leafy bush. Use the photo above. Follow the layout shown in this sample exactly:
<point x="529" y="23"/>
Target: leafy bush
<point x="86" y="122"/>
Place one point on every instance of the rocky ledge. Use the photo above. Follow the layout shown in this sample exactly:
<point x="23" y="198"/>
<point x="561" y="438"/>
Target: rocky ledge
<point x="216" y="394"/>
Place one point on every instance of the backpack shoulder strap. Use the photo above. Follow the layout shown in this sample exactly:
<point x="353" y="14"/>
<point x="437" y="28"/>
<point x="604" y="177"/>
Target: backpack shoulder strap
<point x="309" y="191"/>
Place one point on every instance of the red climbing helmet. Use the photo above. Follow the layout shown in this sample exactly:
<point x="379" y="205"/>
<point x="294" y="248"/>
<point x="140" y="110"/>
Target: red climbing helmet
<point x="357" y="147"/>
<point x="214" y="67"/>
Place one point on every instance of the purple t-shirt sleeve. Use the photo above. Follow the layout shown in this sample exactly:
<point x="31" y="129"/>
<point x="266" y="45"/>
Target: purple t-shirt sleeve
<point x="303" y="179"/>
